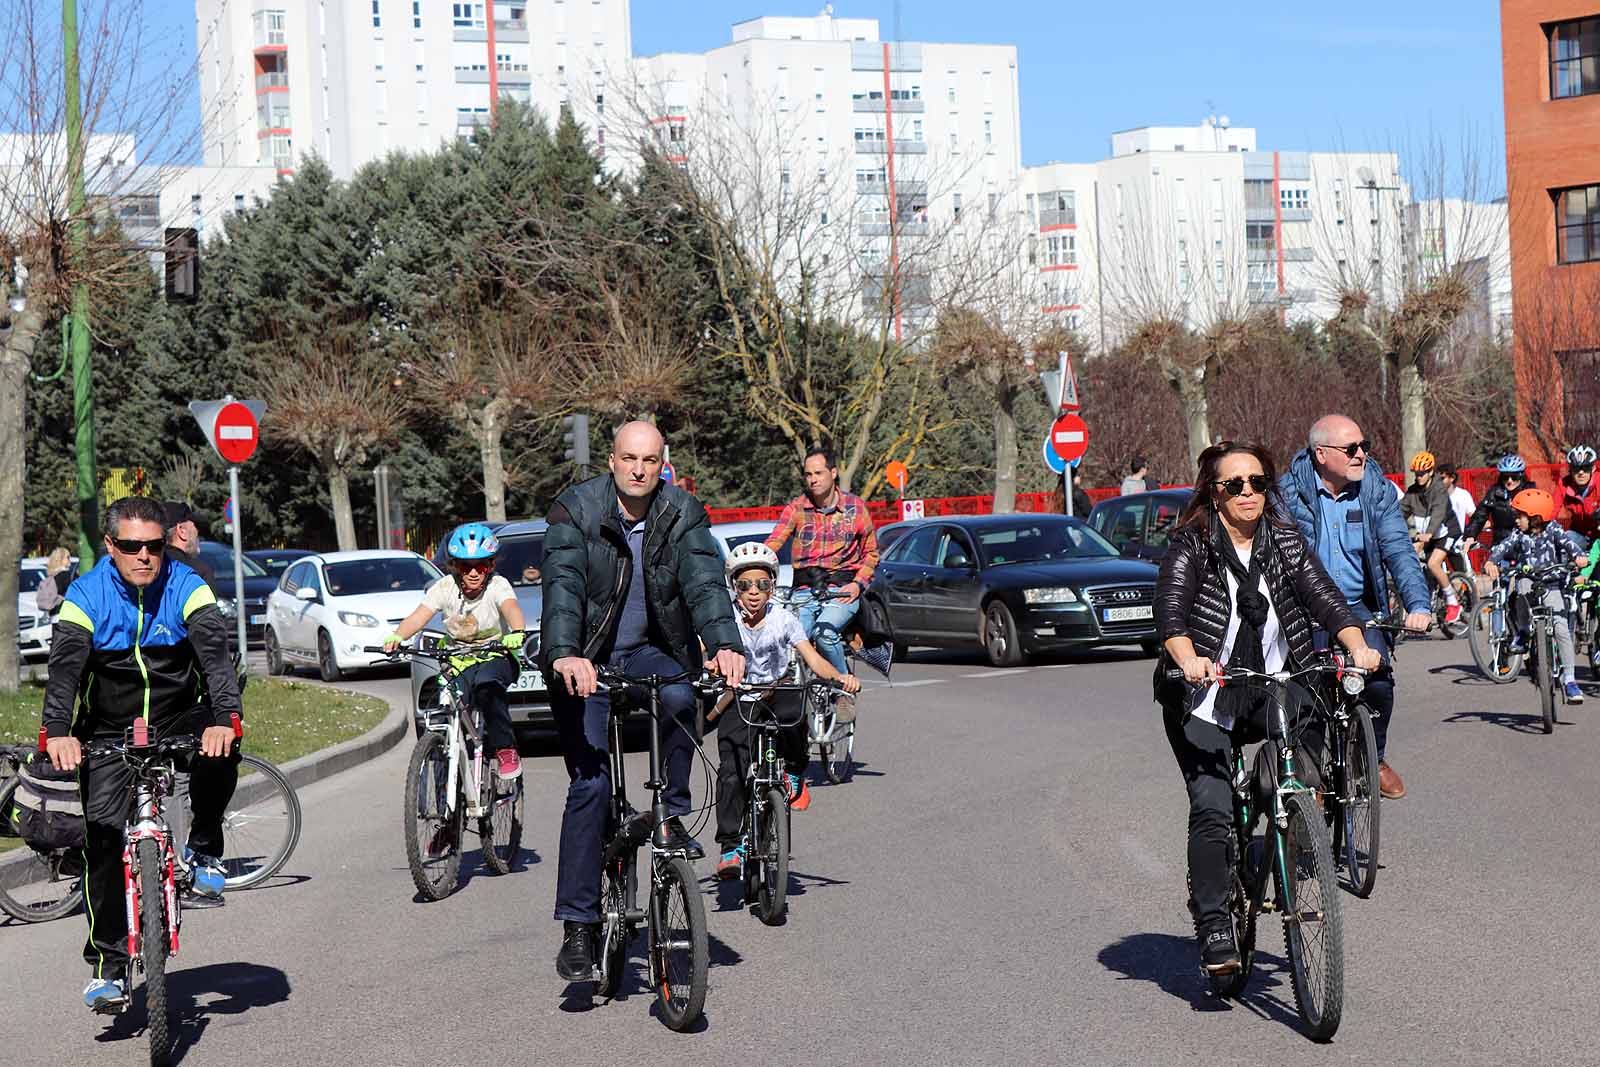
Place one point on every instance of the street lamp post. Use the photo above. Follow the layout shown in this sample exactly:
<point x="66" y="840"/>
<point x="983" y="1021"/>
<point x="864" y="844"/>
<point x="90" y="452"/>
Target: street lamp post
<point x="88" y="487"/>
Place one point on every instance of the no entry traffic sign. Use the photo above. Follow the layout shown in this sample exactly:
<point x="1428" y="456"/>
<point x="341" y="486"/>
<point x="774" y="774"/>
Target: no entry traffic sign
<point x="232" y="426"/>
<point x="1069" y="437"/>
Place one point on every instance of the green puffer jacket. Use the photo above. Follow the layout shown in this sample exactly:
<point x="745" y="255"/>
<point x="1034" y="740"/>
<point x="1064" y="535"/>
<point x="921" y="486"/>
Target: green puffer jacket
<point x="587" y="568"/>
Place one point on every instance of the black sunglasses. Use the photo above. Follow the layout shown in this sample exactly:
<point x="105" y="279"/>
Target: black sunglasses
<point x="1581" y="468"/>
<point x="1235" y="486"/>
<point x="1352" y="448"/>
<point x="744" y="585"/>
<point x="129" y="547"/>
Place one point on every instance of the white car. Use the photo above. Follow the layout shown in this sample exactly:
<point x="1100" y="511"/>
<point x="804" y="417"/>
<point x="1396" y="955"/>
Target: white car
<point x="730" y="535"/>
<point x="329" y="607"/>
<point x="34" y="627"/>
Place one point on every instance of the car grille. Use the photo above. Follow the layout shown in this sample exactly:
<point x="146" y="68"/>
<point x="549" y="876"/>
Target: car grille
<point x="1122" y="596"/>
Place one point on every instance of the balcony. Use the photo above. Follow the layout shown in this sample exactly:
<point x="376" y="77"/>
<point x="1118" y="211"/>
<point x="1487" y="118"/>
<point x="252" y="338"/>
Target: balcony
<point x="883" y="229"/>
<point x="472" y="118"/>
<point x="901" y="148"/>
<point x="1058" y="217"/>
<point x="510" y="31"/>
<point x="879" y="188"/>
<point x="875" y="107"/>
<point x="273" y="79"/>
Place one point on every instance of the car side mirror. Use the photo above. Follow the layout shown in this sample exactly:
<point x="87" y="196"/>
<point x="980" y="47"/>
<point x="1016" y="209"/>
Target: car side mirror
<point x="305" y="592"/>
<point x="958" y="561"/>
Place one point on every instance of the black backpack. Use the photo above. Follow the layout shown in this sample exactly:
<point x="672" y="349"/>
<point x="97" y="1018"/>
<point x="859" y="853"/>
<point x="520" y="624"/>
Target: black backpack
<point x="46" y="808"/>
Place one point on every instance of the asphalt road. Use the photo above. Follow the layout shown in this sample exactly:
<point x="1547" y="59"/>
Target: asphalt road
<point x="1002" y="882"/>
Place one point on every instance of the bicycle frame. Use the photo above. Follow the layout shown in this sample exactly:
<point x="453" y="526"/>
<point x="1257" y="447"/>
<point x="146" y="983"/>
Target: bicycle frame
<point x="463" y="732"/>
<point x="149" y="822"/>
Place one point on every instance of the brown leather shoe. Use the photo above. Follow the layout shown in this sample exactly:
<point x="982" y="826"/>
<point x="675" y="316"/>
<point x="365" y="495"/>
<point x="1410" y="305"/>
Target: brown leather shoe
<point x="1389" y="783"/>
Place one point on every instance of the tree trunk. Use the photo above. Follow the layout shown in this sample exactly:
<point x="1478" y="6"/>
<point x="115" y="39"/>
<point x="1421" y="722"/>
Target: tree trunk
<point x="344" y="520"/>
<point x="14" y="367"/>
<point x="1413" y="417"/>
<point x="491" y="430"/>
<point x="1190" y="384"/>
<point x="1005" y="449"/>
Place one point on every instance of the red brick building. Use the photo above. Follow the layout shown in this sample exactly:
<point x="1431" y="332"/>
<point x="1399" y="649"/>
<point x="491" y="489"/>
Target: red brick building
<point x="1551" y="64"/>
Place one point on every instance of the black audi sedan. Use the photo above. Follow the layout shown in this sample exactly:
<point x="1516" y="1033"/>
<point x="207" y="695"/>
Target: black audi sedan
<point x="1013" y="585"/>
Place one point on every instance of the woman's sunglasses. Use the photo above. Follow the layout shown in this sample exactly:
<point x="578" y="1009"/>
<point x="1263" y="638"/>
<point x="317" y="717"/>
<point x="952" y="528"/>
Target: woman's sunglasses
<point x="744" y="585"/>
<point x="1235" y="486"/>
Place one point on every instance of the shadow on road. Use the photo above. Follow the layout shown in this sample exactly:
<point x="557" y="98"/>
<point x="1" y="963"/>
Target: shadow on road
<point x="199" y="993"/>
<point x="1515" y="721"/>
<point x="1462" y="674"/>
<point x="1172" y="964"/>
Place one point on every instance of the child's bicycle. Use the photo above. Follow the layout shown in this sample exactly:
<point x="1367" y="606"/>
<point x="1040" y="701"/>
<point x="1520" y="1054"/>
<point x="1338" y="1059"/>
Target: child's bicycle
<point x="451" y="778"/>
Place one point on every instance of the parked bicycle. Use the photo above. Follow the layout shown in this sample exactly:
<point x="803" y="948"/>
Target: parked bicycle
<point x="674" y="917"/>
<point x="451" y="778"/>
<point x="1295" y="854"/>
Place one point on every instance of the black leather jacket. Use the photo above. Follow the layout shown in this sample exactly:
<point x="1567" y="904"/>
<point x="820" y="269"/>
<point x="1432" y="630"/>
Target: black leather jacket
<point x="1192" y="594"/>
<point x="1495" y="510"/>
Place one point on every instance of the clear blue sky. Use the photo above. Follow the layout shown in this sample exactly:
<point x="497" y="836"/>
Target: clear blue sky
<point x="1359" y="74"/>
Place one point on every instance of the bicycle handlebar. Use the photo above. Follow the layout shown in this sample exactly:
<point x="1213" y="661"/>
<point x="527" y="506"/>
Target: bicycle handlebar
<point x="1243" y="675"/>
<point x="444" y="652"/>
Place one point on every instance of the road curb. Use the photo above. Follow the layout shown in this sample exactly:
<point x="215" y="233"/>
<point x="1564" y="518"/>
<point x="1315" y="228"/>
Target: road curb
<point x="327" y="762"/>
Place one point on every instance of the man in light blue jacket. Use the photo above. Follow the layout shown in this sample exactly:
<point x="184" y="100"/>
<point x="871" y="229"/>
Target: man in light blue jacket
<point x="1349" y="513"/>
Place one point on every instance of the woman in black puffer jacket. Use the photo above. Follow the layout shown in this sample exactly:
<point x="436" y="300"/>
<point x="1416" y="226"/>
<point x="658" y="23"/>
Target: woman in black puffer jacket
<point x="1238" y="586"/>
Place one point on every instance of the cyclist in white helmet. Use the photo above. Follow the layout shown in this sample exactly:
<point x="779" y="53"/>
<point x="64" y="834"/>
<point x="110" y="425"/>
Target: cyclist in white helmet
<point x="1580" y="500"/>
<point x="772" y="636"/>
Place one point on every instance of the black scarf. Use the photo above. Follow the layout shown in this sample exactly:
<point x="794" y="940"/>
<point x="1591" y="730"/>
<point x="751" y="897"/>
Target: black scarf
<point x="1250" y="605"/>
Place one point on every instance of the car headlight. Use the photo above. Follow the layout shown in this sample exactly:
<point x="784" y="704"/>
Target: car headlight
<point x="226" y="606"/>
<point x="1352" y="684"/>
<point x="355" y="618"/>
<point x="1056" y="595"/>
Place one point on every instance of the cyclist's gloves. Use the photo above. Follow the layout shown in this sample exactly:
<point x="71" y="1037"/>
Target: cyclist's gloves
<point x="395" y="638"/>
<point x="512" y="641"/>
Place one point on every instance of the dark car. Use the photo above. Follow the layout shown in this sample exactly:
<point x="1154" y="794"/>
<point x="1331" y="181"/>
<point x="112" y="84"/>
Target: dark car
<point x="276" y="560"/>
<point x="258" y="585"/>
<point x="1140" y="524"/>
<point x="1013" y="585"/>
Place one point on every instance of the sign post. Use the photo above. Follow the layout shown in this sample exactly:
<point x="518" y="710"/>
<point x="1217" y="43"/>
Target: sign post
<point x="234" y="429"/>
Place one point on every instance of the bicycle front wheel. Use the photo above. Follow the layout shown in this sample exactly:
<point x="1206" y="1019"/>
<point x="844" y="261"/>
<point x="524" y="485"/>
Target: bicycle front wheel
<point x="36" y="887"/>
<point x="771" y="857"/>
<point x="1544" y="677"/>
<point x="153" y="947"/>
<point x="679" y="953"/>
<point x="1313" y="929"/>
<point x="1358" y="803"/>
<point x="1489" y="649"/>
<point x="432" y="827"/>
<point x="501" y="831"/>
<point x="259" y="834"/>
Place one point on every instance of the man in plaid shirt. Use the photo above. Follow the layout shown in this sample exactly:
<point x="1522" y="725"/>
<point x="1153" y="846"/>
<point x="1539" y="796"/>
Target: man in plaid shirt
<point x="835" y="552"/>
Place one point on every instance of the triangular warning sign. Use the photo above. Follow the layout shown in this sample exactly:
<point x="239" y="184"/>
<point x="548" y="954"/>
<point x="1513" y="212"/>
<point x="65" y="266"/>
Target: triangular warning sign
<point x="1069" y="386"/>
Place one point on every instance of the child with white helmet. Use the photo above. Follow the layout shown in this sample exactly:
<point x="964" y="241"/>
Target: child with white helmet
<point x="772" y="636"/>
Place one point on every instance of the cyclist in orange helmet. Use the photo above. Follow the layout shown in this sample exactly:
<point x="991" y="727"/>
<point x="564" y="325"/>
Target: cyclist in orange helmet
<point x="1538" y="546"/>
<point x="1433" y="523"/>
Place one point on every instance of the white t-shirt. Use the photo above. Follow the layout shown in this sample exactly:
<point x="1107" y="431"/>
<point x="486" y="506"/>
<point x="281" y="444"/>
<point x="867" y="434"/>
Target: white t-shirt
<point x="769" y="647"/>
<point x="1461" y="503"/>
<point x="469" y="620"/>
<point x="1274" y="646"/>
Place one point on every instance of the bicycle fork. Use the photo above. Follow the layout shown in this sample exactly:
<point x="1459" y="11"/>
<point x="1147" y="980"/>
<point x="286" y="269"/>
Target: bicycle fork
<point x="147" y="826"/>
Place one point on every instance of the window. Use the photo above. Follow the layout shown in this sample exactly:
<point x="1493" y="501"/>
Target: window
<point x="420" y="57"/>
<point x="1580" y="377"/>
<point x="377" y="58"/>
<point x="466" y="16"/>
<point x="1056" y="208"/>
<point x="950" y="91"/>
<point x="918" y="549"/>
<point x="819" y="83"/>
<point x="1578" y="224"/>
<point x="994" y="202"/>
<point x="916" y="130"/>
<point x="377" y="14"/>
<point x="416" y="14"/>
<point x="1259" y="238"/>
<point x="1574" y="58"/>
<point x="955" y="200"/>
<point x="783" y="88"/>
<point x="238" y="201"/>
<point x="1061" y="250"/>
<point x="1216" y="199"/>
<point x="988" y="87"/>
<point x="1295" y="199"/>
<point x="988" y="130"/>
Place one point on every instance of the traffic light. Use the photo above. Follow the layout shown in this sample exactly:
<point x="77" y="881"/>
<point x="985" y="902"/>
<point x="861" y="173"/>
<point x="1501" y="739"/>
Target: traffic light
<point x="575" y="436"/>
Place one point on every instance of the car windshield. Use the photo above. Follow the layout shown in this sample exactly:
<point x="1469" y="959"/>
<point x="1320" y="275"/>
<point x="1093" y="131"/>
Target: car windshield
<point x="390" y="574"/>
<point x="1039" y="541"/>
<point x="276" y="565"/>
<point x="519" y="559"/>
<point x="744" y="539"/>
<point x="221" y="561"/>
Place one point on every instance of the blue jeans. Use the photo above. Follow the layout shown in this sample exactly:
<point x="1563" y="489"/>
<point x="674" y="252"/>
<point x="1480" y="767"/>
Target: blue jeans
<point x="583" y="726"/>
<point x="823" y="622"/>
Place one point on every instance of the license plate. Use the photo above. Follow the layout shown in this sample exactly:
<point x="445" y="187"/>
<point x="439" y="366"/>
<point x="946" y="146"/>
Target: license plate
<point x="528" y="681"/>
<point x="258" y="620"/>
<point x="1142" y="611"/>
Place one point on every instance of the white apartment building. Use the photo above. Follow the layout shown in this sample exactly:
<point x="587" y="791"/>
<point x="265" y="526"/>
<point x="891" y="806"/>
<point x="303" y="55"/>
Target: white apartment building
<point x="352" y="80"/>
<point x="905" y="136"/>
<point x="1476" y="237"/>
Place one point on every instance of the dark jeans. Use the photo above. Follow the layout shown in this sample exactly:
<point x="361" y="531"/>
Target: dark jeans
<point x="1205" y="756"/>
<point x="1379" y="693"/>
<point x="485" y="685"/>
<point x="734" y="737"/>
<point x="104" y="783"/>
<point x="586" y="744"/>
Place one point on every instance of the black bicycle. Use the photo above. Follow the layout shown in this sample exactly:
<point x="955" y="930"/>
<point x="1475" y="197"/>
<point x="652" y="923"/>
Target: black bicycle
<point x="1542" y="643"/>
<point x="674" y="916"/>
<point x="1294" y="854"/>
<point x="36" y="884"/>
<point x="1349" y="769"/>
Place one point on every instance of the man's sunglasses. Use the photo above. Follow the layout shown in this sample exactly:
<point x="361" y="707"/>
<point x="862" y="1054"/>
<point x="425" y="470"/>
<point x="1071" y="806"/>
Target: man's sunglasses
<point x="130" y="547"/>
<point x="1352" y="448"/>
<point x="1235" y="486"/>
<point x="744" y="585"/>
<point x="472" y="566"/>
<point x="1581" y="468"/>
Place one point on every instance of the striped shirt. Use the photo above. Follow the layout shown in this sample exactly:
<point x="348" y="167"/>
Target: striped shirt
<point x="840" y="538"/>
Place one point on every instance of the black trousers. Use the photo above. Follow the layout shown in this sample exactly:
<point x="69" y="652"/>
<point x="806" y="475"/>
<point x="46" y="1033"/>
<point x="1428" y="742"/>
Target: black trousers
<point x="1204" y="753"/>
<point x="104" y="783"/>
<point x="734" y="739"/>
<point x="485" y="685"/>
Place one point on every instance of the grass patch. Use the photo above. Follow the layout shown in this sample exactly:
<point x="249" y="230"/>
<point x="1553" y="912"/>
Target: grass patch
<point x="283" y="720"/>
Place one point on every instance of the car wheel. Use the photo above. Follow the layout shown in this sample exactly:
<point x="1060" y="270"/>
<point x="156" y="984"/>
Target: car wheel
<point x="1000" y="639"/>
<point x="327" y="665"/>
<point x="275" y="664"/>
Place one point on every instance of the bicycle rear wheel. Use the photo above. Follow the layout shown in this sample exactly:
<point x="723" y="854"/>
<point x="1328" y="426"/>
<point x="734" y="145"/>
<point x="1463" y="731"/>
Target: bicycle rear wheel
<point x="1489" y="650"/>
<point x="153" y="948"/>
<point x="1313" y="929"/>
<point x="1467" y="593"/>
<point x="1358" y="803"/>
<point x="679" y="953"/>
<point x="259" y="836"/>
<point x="36" y="887"/>
<point x="501" y="831"/>
<point x="770" y="857"/>
<point x="1243" y="909"/>
<point x="432" y="829"/>
<point x="1544" y="677"/>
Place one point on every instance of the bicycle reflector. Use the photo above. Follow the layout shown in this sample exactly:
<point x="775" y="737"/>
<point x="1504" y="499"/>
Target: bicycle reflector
<point x="238" y="725"/>
<point x="44" y="739"/>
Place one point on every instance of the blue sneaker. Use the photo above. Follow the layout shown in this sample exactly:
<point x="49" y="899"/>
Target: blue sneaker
<point x="206" y="875"/>
<point x="731" y="863"/>
<point x="106" y="996"/>
<point x="1574" y="694"/>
